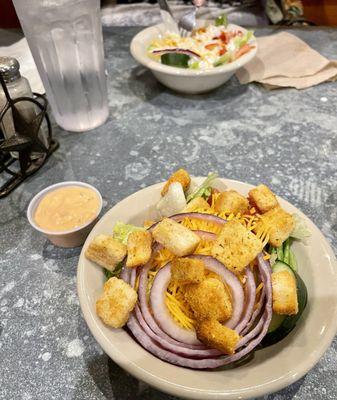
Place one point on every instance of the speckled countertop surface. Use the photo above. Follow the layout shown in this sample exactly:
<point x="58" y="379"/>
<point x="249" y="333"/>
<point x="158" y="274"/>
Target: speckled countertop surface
<point x="285" y="138"/>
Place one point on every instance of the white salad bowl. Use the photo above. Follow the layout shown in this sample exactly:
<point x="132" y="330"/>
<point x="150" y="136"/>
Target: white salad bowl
<point x="186" y="80"/>
<point x="271" y="368"/>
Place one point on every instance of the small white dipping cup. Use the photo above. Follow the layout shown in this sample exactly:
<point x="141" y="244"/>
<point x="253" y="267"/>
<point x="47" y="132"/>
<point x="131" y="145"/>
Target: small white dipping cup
<point x="70" y="238"/>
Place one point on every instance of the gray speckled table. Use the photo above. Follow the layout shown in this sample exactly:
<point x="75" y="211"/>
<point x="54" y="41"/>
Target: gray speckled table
<point x="285" y="138"/>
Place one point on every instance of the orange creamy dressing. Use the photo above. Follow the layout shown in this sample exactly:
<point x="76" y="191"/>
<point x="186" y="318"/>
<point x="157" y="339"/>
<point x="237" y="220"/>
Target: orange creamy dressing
<point x="67" y="208"/>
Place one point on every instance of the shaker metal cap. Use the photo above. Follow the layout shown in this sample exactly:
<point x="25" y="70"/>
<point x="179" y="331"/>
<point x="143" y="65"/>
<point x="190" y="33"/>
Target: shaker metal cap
<point x="9" y="68"/>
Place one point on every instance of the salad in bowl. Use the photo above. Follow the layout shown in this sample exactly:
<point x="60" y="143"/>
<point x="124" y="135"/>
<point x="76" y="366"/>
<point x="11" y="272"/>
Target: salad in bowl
<point x="209" y="46"/>
<point x="212" y="280"/>
<point x="198" y="63"/>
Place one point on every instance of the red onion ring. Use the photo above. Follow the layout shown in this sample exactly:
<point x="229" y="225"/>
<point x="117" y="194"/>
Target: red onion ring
<point x="161" y="312"/>
<point x="177" y="51"/>
<point x="142" y="289"/>
<point x="205" y="235"/>
<point x="255" y="314"/>
<point x="151" y="346"/>
<point x="200" y="216"/>
<point x="185" y="351"/>
<point x="251" y="294"/>
<point x="195" y="215"/>
<point x="209" y="363"/>
<point x="232" y="281"/>
<point x="125" y="274"/>
<point x="153" y="334"/>
<point x="257" y="329"/>
<point x="133" y="276"/>
<point x="147" y="315"/>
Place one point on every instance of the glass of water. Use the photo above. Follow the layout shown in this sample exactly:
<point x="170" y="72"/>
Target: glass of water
<point x="65" y="38"/>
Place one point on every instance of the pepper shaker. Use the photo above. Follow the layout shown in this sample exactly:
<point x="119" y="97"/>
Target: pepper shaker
<point x="18" y="86"/>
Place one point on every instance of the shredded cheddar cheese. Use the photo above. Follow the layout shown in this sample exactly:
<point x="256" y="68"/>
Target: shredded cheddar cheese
<point x="258" y="289"/>
<point x="175" y="301"/>
<point x="176" y="304"/>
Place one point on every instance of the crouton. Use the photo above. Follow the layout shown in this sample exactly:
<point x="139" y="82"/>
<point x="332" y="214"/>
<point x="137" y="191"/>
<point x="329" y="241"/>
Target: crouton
<point x="139" y="247"/>
<point x="277" y="223"/>
<point x="284" y="293"/>
<point x="106" y="251"/>
<point x="180" y="176"/>
<point x="215" y="335"/>
<point x="180" y="240"/>
<point x="236" y="246"/>
<point x="187" y="270"/>
<point x="263" y="198"/>
<point x="116" y="303"/>
<point x="209" y="299"/>
<point x="196" y="204"/>
<point x="231" y="202"/>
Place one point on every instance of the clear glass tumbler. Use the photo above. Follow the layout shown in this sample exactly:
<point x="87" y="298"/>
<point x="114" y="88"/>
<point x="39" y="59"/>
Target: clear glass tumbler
<point x="65" y="38"/>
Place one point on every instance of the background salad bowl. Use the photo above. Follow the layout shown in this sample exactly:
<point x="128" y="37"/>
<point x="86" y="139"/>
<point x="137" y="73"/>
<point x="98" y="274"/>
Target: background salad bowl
<point x="271" y="368"/>
<point x="186" y="80"/>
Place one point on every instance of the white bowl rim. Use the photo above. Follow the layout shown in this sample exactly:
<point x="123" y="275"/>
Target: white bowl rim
<point x="144" y="60"/>
<point x="172" y="388"/>
<point x="38" y="197"/>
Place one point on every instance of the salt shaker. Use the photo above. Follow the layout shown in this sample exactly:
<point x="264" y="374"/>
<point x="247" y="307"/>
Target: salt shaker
<point x="18" y="86"/>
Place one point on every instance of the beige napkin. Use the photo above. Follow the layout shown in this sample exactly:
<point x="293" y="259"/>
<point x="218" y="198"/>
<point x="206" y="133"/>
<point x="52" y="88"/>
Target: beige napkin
<point x="284" y="60"/>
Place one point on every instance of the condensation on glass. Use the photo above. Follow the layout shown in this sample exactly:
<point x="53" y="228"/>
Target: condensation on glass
<point x="65" y="38"/>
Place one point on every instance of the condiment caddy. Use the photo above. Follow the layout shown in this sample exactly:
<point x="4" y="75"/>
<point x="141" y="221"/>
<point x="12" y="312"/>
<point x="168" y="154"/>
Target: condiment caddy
<point x="26" y="127"/>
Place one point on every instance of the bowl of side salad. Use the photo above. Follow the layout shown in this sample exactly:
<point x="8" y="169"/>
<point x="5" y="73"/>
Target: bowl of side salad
<point x="209" y="288"/>
<point x="198" y="63"/>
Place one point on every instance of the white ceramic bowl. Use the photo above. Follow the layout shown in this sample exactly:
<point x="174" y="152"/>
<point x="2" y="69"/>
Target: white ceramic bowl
<point x="183" y="79"/>
<point x="70" y="238"/>
<point x="271" y="369"/>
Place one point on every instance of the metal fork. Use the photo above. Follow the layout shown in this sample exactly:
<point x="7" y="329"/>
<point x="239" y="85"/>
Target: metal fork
<point x="187" y="22"/>
<point x="167" y="16"/>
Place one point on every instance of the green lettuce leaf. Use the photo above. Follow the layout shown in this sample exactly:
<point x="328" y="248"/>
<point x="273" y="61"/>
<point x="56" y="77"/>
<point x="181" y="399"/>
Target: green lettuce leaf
<point x="240" y="41"/>
<point x="205" y="189"/>
<point x="121" y="231"/>
<point x="223" y="60"/>
<point x="221" y="20"/>
<point x="300" y="231"/>
<point x="116" y="272"/>
<point x="195" y="65"/>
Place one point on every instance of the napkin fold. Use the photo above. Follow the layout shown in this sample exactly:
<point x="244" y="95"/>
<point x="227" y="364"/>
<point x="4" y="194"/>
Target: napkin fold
<point x="20" y="50"/>
<point x="284" y="60"/>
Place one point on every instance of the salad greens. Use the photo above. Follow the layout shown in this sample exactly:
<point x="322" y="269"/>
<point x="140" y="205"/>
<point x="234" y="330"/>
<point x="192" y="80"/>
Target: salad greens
<point x="195" y="65"/>
<point x="116" y="272"/>
<point x="207" y="47"/>
<point x="240" y="41"/>
<point x="205" y="189"/>
<point x="221" y="20"/>
<point x="283" y="254"/>
<point x="121" y="231"/>
<point x="223" y="60"/>
<point x="300" y="231"/>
